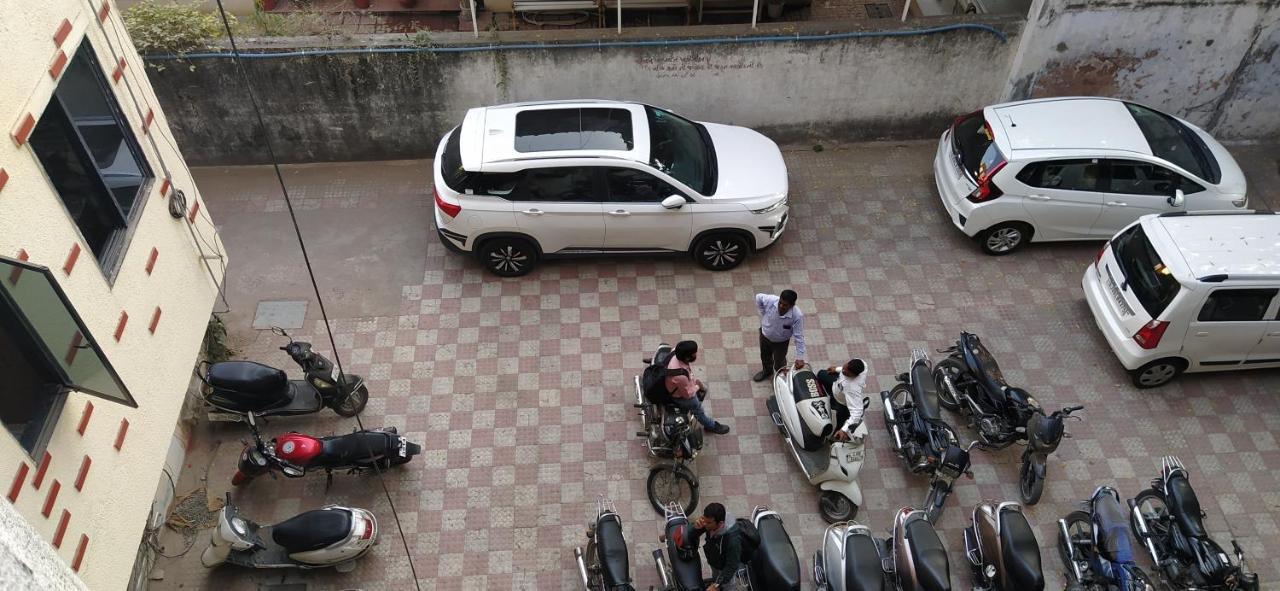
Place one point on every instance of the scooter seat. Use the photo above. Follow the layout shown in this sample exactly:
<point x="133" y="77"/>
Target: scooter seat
<point x="1185" y="507"/>
<point x="1021" y="554"/>
<point x="247" y="377"/>
<point x="611" y="550"/>
<point x="930" y="558"/>
<point x="312" y="530"/>
<point x="775" y="565"/>
<point x="862" y="570"/>
<point x="346" y="450"/>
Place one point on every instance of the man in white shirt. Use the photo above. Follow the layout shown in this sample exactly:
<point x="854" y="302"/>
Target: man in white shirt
<point x="780" y="321"/>
<point x="845" y="386"/>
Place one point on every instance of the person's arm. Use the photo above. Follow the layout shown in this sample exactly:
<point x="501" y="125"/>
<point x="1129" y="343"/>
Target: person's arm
<point x="762" y="302"/>
<point x="686" y="385"/>
<point x="797" y="333"/>
<point x="853" y="400"/>
<point x="732" y="558"/>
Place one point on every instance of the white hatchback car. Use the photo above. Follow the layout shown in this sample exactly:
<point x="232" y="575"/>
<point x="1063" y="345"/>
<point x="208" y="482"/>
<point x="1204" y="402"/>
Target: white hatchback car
<point x="1189" y="292"/>
<point x="516" y="183"/>
<point x="1076" y="169"/>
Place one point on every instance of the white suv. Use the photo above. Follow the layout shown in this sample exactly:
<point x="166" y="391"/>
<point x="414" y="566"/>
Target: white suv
<point x="1182" y="292"/>
<point x="1076" y="169"/>
<point x="516" y="183"/>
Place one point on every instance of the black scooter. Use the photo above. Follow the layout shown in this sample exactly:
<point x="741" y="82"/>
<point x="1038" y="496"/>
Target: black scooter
<point x="235" y="388"/>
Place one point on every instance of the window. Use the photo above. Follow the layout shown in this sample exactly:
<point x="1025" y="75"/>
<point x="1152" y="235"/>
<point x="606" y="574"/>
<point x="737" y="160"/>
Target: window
<point x="451" y="162"/>
<point x="1172" y="140"/>
<point x="628" y="185"/>
<point x="552" y="130"/>
<point x="1142" y="178"/>
<point x="45" y="350"/>
<point x="1236" y="305"/>
<point x="568" y="184"/>
<point x="85" y="146"/>
<point x="1144" y="272"/>
<point x="974" y="142"/>
<point x="682" y="149"/>
<point x="1064" y="175"/>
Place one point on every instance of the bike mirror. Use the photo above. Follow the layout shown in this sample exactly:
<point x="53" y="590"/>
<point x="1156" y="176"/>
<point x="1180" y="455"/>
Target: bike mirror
<point x="279" y="331"/>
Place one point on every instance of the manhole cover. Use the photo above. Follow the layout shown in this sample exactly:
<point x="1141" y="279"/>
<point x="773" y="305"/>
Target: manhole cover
<point x="879" y="11"/>
<point x="285" y="314"/>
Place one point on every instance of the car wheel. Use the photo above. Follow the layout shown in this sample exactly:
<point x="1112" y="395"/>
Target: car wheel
<point x="508" y="257"/>
<point x="1002" y="239"/>
<point x="721" y="252"/>
<point x="1157" y="373"/>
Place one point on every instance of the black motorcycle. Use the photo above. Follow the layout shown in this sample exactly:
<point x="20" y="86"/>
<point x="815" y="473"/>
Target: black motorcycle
<point x="774" y="566"/>
<point x="920" y="436"/>
<point x="235" y="388"/>
<point x="673" y="434"/>
<point x="1167" y="520"/>
<point x="605" y="563"/>
<point x="969" y="381"/>
<point x="294" y="454"/>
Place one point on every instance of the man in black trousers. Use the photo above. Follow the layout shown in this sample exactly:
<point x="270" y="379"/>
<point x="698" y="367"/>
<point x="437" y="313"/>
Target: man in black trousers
<point x="780" y="321"/>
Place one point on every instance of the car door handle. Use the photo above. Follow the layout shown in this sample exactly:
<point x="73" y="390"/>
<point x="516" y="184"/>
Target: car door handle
<point x="1039" y="197"/>
<point x="1202" y="334"/>
<point x="620" y="212"/>
<point x="1273" y="334"/>
<point x="532" y="212"/>
<point x="1117" y="204"/>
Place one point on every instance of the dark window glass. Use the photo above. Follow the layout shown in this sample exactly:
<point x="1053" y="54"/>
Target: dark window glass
<point x="1140" y="178"/>
<point x="1171" y="140"/>
<point x="628" y="185"/>
<point x="31" y="390"/>
<point x="1065" y="175"/>
<point x="571" y="184"/>
<point x="493" y="183"/>
<point x="682" y="149"/>
<point x="89" y="154"/>
<point x="451" y="162"/>
<point x="1236" y="305"/>
<point x="551" y="130"/>
<point x="974" y="142"/>
<point x="1144" y="272"/>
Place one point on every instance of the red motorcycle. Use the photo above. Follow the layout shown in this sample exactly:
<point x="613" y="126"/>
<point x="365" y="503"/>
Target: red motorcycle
<point x="294" y="454"/>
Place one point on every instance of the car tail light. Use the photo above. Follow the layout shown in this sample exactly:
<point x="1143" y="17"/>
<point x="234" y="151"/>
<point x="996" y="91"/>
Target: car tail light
<point x="987" y="189"/>
<point x="1148" y="337"/>
<point x="450" y="209"/>
<point x="1102" y="251"/>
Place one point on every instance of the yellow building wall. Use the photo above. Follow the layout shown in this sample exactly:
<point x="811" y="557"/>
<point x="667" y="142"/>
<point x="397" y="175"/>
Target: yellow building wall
<point x="112" y="508"/>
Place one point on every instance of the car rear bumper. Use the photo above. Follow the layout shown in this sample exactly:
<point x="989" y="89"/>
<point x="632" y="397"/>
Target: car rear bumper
<point x="959" y="209"/>
<point x="1131" y="356"/>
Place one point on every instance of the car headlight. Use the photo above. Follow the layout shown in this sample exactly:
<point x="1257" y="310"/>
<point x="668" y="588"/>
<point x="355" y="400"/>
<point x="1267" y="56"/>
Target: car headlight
<point x="1241" y="202"/>
<point x="781" y="203"/>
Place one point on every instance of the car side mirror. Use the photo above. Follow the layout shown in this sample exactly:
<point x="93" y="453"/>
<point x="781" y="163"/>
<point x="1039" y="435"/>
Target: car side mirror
<point x="1178" y="199"/>
<point x="673" y="202"/>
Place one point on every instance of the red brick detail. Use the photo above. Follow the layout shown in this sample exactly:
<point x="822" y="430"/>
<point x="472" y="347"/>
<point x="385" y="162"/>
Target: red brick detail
<point x="51" y="498"/>
<point x="164" y="186"/>
<point x="62" y="528"/>
<point x="124" y="320"/>
<point x="18" y="479"/>
<point x="44" y="467"/>
<point x="71" y="259"/>
<point x="24" y="130"/>
<point x="59" y="62"/>
<point x="17" y="271"/>
<point x="104" y="11"/>
<point x="124" y="428"/>
<point x="4" y="178"/>
<point x="146" y="123"/>
<point x="155" y="321"/>
<point x="151" y="260"/>
<point x="61" y="34"/>
<point x="191" y="217"/>
<point x="84" y="417"/>
<point x="84" y="543"/>
<point x="84" y="472"/>
<point x="119" y="71"/>
<point x="74" y="348"/>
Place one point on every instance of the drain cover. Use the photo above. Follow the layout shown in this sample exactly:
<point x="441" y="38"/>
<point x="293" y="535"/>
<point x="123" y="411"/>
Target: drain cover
<point x="285" y="314"/>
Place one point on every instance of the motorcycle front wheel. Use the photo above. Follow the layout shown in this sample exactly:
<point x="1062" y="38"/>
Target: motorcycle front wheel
<point x="835" y="507"/>
<point x="933" y="503"/>
<point x="670" y="482"/>
<point x="354" y="402"/>
<point x="952" y="369"/>
<point x="1030" y="486"/>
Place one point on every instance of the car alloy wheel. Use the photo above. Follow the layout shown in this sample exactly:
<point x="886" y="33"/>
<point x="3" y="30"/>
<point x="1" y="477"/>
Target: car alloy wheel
<point x="508" y="257"/>
<point x="1004" y="239"/>
<point x="1157" y="375"/>
<point x="721" y="252"/>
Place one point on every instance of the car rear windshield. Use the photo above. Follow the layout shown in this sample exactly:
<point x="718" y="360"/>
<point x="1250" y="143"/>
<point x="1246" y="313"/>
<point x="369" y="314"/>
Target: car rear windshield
<point x="1174" y="141"/>
<point x="1144" y="273"/>
<point x="451" y="162"/>
<point x="554" y="130"/>
<point x="973" y="143"/>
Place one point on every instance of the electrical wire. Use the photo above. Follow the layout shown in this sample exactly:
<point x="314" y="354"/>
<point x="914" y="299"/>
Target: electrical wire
<point x="315" y="286"/>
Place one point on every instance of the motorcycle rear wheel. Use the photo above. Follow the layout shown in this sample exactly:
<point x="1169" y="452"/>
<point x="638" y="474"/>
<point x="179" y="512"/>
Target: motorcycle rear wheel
<point x="952" y="369"/>
<point x="835" y="507"/>
<point x="1080" y="528"/>
<point x="669" y="482"/>
<point x="1030" y="486"/>
<point x="354" y="403"/>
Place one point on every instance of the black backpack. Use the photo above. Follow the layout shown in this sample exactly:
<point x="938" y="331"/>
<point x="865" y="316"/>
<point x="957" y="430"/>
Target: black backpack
<point x="653" y="382"/>
<point x="750" y="538"/>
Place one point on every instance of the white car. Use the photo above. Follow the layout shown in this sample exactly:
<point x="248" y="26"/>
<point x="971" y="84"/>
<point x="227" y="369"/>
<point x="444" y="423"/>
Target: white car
<point x="1189" y="292"/>
<point x="520" y="182"/>
<point x="1076" y="169"/>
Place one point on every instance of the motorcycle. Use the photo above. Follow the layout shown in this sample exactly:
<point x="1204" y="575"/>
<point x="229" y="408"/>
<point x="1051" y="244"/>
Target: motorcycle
<point x="920" y="436"/>
<point x="1002" y="549"/>
<point x="1095" y="548"/>
<point x="334" y="536"/>
<point x="850" y="559"/>
<point x="670" y="433"/>
<point x="969" y="381"/>
<point x="802" y="410"/>
<point x="604" y="564"/>
<point x="774" y="566"/>
<point x="235" y="388"/>
<point x="1166" y="519"/>
<point x="293" y="453"/>
<point x="918" y="557"/>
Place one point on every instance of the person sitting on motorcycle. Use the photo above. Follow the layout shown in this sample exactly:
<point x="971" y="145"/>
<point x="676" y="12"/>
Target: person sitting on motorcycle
<point x="724" y="548"/>
<point x="684" y="387"/>
<point x="846" y="387"/>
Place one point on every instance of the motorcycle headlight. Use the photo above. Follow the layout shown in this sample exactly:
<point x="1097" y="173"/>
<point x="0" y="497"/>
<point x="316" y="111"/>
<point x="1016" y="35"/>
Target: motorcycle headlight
<point x="774" y="207"/>
<point x="238" y="526"/>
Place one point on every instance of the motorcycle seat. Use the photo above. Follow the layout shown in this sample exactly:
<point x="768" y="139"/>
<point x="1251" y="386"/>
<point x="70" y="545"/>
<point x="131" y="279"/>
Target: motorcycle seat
<point x="312" y="530"/>
<point x="1185" y="507"/>
<point x="1021" y="553"/>
<point x="929" y="557"/>
<point x="345" y="450"/>
<point x="862" y="570"/>
<point x="686" y="566"/>
<point x="247" y="377"/>
<point x="924" y="392"/>
<point x="775" y="565"/>
<point x="611" y="550"/>
<point x="1111" y="524"/>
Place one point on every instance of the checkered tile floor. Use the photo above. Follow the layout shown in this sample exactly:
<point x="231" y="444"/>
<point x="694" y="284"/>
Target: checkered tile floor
<point x="520" y="389"/>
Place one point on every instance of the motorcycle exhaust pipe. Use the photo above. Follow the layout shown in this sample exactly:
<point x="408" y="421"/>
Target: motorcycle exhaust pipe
<point x="664" y="569"/>
<point x="1071" y="548"/>
<point x="893" y="416"/>
<point x="1144" y="531"/>
<point x="582" y="568"/>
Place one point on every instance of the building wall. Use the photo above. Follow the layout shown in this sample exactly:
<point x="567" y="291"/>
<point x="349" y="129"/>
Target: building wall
<point x="112" y="507"/>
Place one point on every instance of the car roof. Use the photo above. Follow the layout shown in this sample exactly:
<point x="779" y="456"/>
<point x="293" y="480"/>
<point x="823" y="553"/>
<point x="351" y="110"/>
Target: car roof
<point x="1239" y="244"/>
<point x="488" y="140"/>
<point x="1087" y="124"/>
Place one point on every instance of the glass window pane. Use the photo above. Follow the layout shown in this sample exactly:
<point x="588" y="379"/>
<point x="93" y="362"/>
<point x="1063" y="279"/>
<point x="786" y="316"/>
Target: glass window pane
<point x="73" y="176"/>
<point x="549" y="130"/>
<point x="556" y="184"/>
<point x="1070" y="175"/>
<point x="1236" y="305"/>
<point x="1141" y="178"/>
<point x="628" y="185"/>
<point x="30" y="386"/>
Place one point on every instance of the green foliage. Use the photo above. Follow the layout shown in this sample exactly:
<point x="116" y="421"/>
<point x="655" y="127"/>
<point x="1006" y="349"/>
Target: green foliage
<point x="215" y="341"/>
<point x="175" y="28"/>
<point x="298" y="23"/>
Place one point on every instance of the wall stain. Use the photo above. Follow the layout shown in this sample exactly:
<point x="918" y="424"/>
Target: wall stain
<point x="1093" y="74"/>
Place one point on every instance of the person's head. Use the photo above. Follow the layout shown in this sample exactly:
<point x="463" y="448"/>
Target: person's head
<point x="854" y="368"/>
<point x="715" y="515"/>
<point x="786" y="301"/>
<point x="686" y="351"/>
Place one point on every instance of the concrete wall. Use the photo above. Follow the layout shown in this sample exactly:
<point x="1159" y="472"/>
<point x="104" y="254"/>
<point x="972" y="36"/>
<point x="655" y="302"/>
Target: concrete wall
<point x="112" y="507"/>
<point x="1212" y="62"/>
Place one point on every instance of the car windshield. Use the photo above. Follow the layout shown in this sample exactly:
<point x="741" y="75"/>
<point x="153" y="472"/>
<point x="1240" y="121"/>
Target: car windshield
<point x="1144" y="273"/>
<point x="1171" y="140"/>
<point x="682" y="149"/>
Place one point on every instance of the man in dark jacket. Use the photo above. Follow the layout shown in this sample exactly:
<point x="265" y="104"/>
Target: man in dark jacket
<point x="724" y="548"/>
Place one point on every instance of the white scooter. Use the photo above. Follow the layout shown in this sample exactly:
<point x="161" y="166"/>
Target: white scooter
<point x="330" y="537"/>
<point x="802" y="410"/>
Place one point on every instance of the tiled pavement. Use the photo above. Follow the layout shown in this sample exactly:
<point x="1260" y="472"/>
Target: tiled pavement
<point x="520" y="388"/>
